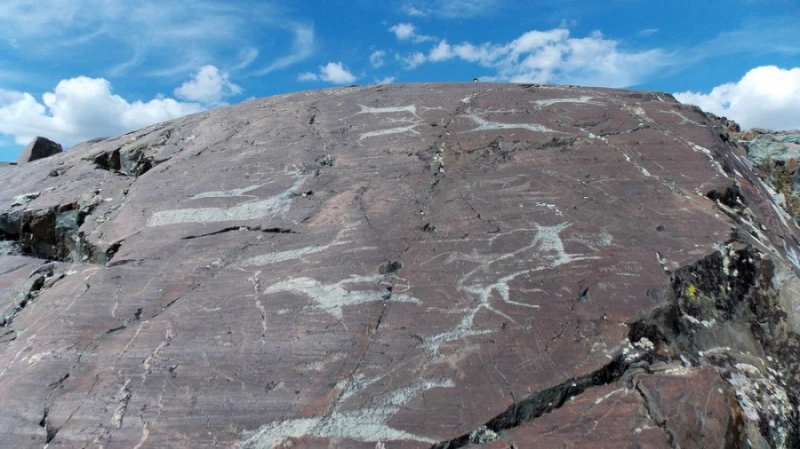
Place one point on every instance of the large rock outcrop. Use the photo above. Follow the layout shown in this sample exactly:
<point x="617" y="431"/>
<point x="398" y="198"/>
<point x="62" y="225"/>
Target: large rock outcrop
<point x="402" y="266"/>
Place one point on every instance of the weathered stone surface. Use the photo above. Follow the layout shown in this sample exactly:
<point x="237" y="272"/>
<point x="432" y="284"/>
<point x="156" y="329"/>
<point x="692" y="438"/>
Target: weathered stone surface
<point x="402" y="267"/>
<point x="39" y="148"/>
<point x="776" y="146"/>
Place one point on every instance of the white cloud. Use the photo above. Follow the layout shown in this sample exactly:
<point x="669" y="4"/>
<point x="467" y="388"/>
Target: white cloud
<point x="157" y="38"/>
<point x="449" y="9"/>
<point x="408" y="32"/>
<point x="376" y="58"/>
<point x="79" y="109"/>
<point x="568" y="23"/>
<point x="246" y="57"/>
<point x="414" y="12"/>
<point x="442" y="52"/>
<point x="551" y="57"/>
<point x="413" y="60"/>
<point x="208" y="86"/>
<point x="302" y="48"/>
<point x="307" y="76"/>
<point x="332" y="72"/>
<point x="765" y="97"/>
<point x="647" y="32"/>
<point x="385" y="80"/>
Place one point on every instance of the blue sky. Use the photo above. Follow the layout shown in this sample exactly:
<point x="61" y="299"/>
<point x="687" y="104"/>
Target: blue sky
<point x="72" y="70"/>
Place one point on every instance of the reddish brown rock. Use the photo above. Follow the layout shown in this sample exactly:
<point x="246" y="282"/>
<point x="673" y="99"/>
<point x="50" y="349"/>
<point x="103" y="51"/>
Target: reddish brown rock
<point x="402" y="267"/>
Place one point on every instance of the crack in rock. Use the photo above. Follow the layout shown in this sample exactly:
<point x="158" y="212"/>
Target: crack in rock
<point x="536" y="405"/>
<point x="242" y="228"/>
<point x="124" y="396"/>
<point x="655" y="414"/>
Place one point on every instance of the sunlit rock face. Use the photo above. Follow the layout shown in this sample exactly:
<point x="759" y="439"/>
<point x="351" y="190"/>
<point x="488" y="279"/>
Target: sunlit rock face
<point x="401" y="266"/>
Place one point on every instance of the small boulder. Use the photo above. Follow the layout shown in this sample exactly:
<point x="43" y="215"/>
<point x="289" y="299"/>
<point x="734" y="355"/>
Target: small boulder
<point x="39" y="148"/>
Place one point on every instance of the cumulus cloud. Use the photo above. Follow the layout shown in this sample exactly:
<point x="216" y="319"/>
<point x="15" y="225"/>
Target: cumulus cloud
<point x="79" y="109"/>
<point x="332" y="72"/>
<point x="208" y="86"/>
<point x="551" y="56"/>
<point x="765" y="97"/>
<point x="376" y="58"/>
<point x="408" y="32"/>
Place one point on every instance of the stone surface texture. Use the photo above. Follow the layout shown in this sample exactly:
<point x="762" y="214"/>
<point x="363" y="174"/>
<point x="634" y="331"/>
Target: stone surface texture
<point x="766" y="145"/>
<point x="402" y="266"/>
<point x="39" y="148"/>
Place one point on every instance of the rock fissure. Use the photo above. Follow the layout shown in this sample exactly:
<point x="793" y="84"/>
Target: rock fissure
<point x="45" y="422"/>
<point x="540" y="403"/>
<point x="655" y="414"/>
<point x="274" y="230"/>
<point x="36" y="282"/>
<point x="438" y="151"/>
<point x="351" y="378"/>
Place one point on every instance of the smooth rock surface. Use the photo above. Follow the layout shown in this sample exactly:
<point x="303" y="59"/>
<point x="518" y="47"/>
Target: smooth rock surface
<point x="402" y="266"/>
<point x="39" y="148"/>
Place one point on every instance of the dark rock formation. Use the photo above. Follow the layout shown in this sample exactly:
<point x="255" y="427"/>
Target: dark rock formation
<point x="473" y="265"/>
<point x="39" y="148"/>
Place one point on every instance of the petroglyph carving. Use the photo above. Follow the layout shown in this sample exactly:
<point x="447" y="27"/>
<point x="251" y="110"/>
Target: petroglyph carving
<point x="579" y="100"/>
<point x="384" y="132"/>
<point x="274" y="206"/>
<point x="545" y="251"/>
<point x="365" y="424"/>
<point x="410" y="128"/>
<point x="485" y="125"/>
<point x="411" y="109"/>
<point x="228" y="193"/>
<point x="294" y="254"/>
<point x="333" y="297"/>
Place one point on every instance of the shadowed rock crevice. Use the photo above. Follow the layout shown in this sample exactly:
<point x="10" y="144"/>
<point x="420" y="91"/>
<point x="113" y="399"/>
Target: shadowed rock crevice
<point x="54" y="234"/>
<point x="276" y="230"/>
<point x="655" y="414"/>
<point x="131" y="163"/>
<point x="536" y="405"/>
<point x="137" y="159"/>
<point x="45" y="423"/>
<point x="729" y="196"/>
<point x="30" y="290"/>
